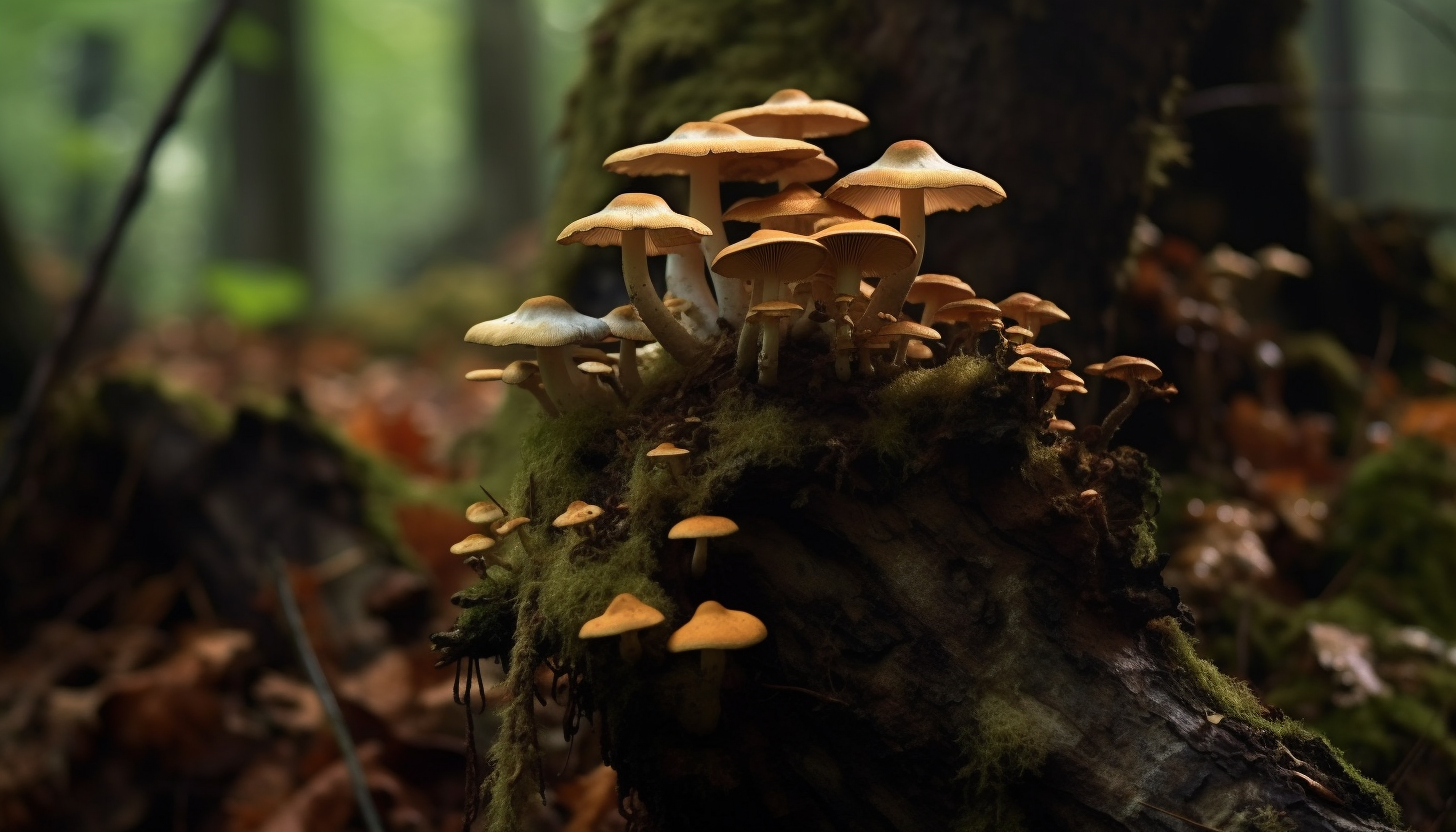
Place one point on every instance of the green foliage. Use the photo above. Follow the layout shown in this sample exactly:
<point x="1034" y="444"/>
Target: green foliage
<point x="256" y="295"/>
<point x="250" y="42"/>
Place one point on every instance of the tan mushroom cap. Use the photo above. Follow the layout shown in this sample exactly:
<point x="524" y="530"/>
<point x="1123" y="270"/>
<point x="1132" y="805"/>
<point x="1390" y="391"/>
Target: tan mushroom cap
<point x="797" y="200"/>
<point x="914" y="330"/>
<point x="815" y="118"/>
<point x="624" y="322"/>
<point x="577" y="513"/>
<point x="1019" y="334"/>
<point x="1017" y="306"/>
<point x="665" y="229"/>
<point x="624" y="615"/>
<point x="510" y="525"/>
<point x="944" y="288"/>
<point x="518" y="372"/>
<point x="714" y="627"/>
<point x="1060" y="426"/>
<point x="774" y="309"/>
<point x="485" y="375"/>
<point x="483" y="512"/>
<point x="817" y="169"/>
<point x="773" y="254"/>
<point x="1129" y="368"/>
<point x="595" y="368"/>
<point x="1053" y="359"/>
<point x="1047" y="312"/>
<point x="970" y="309"/>
<point x="1094" y="369"/>
<point x="667" y="449"/>
<point x="741" y="157"/>
<point x="702" y="525"/>
<point x="875" y="248"/>
<point x="1028" y="365"/>
<point x="1065" y="375"/>
<point x="916" y="351"/>
<point x="473" y="544"/>
<point x="909" y="165"/>
<point x="540" y="322"/>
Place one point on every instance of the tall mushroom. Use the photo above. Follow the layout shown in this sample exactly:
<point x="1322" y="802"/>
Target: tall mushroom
<point x="910" y="181"/>
<point x="1136" y="373"/>
<point x="701" y="528"/>
<point x="860" y="248"/>
<point x="712" y="630"/>
<point x="796" y="208"/>
<point x="627" y="327"/>
<point x="642" y="224"/>
<point x="551" y="326"/>
<point x="792" y="114"/>
<point x="624" y="617"/>
<point x="769" y="259"/>
<point x="710" y="153"/>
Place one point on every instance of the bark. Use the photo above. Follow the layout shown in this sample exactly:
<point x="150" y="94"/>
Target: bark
<point x="269" y="216"/>
<point x="1071" y="139"/>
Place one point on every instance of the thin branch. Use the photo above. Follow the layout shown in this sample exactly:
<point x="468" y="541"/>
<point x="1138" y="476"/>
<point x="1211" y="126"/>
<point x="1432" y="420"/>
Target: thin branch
<point x="61" y="350"/>
<point x="311" y="666"/>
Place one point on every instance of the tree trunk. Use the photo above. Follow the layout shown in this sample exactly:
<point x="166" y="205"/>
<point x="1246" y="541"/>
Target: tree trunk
<point x="268" y="219"/>
<point x="21" y="316"/>
<point x="1067" y="104"/>
<point x="501" y="54"/>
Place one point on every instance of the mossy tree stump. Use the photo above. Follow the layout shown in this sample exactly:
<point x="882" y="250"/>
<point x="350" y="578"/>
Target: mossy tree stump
<point x="960" y="634"/>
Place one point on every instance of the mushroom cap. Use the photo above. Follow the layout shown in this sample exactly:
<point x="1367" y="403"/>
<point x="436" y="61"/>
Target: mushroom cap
<point x="624" y="322"/>
<point x="624" y="615"/>
<point x="1094" y="369"/>
<point x="581" y="354"/>
<point x="817" y="117"/>
<point x="519" y="372"/>
<point x="632" y="212"/>
<point x="913" y="164"/>
<point x="714" y="627"/>
<point x="741" y="157"/>
<point x="1225" y="262"/>
<point x="702" y="525"/>
<point x="1027" y="365"/>
<point x="970" y="309"/>
<point x="817" y="169"/>
<point x="595" y="368"/>
<point x="510" y="525"/>
<point x="941" y="288"/>
<point x="667" y="449"/>
<point x="1018" y="305"/>
<point x="1018" y="334"/>
<point x="577" y="513"/>
<point x="540" y="322"/>
<point x="914" y="330"/>
<point x="875" y="248"/>
<point x="1065" y="375"/>
<point x="794" y="201"/>
<point x="1128" y="368"/>
<point x="1046" y="312"/>
<point x="778" y="255"/>
<point x="485" y="375"/>
<point x="1053" y="359"/>
<point x="472" y="544"/>
<point x="1060" y="425"/>
<point x="916" y="351"/>
<point x="774" y="309"/>
<point x="483" y="512"/>
<point x="1281" y="260"/>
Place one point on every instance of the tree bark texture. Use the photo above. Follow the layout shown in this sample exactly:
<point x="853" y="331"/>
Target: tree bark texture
<point x="1067" y="104"/>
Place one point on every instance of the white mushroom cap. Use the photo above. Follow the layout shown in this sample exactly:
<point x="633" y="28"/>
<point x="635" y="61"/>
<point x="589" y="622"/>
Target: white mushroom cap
<point x="540" y="322"/>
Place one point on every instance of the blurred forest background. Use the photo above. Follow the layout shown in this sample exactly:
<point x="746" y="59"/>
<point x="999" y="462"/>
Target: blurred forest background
<point x="358" y="181"/>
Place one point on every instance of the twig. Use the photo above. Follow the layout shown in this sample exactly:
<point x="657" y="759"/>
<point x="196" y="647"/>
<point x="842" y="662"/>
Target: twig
<point x="289" y="602"/>
<point x="806" y="692"/>
<point x="1188" y="821"/>
<point x="68" y="336"/>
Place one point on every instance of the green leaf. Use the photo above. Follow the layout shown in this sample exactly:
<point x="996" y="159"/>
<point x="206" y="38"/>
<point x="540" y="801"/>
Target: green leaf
<point x="256" y="294"/>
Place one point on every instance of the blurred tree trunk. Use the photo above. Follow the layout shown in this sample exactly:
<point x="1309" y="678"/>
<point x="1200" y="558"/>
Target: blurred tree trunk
<point x="269" y="213"/>
<point x="20" y="316"/>
<point x="94" y="69"/>
<point x="1067" y="104"/>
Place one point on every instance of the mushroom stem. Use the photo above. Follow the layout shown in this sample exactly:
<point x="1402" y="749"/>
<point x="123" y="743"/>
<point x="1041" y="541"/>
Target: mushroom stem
<point x="701" y="710"/>
<point x="768" y="357"/>
<point x="627" y="367"/>
<point x="748" y="334"/>
<point x="705" y="205"/>
<point x="700" y="558"/>
<point x="630" y="646"/>
<point x="846" y="285"/>
<point x="1120" y="413"/>
<point x="556" y="376"/>
<point x="685" y="280"/>
<point x="889" y="296"/>
<point x="679" y="343"/>
<point x="533" y="386"/>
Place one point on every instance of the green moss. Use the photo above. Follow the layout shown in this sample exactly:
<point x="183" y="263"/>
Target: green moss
<point x="1007" y="737"/>
<point x="915" y="400"/>
<point x="1268" y="819"/>
<point x="1145" y="543"/>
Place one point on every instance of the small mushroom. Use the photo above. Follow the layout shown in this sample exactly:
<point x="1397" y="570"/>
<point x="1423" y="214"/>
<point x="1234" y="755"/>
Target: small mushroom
<point x="792" y="114"/>
<point x="550" y="325"/>
<point x="1031" y="368"/>
<point x="902" y="332"/>
<point x="627" y="326"/>
<point x="1060" y="426"/>
<point x="794" y="209"/>
<point x="700" y="528"/>
<point x="578" y="514"/>
<point x="860" y="249"/>
<point x="979" y="315"/>
<point x="1018" y="335"/>
<point x="769" y="259"/>
<point x="675" y="458"/>
<point x="483" y="513"/>
<point x="603" y="372"/>
<point x="935" y="291"/>
<point x="768" y="316"/>
<point x="712" y="630"/>
<point x="523" y="374"/>
<point x="1136" y="373"/>
<point x="624" y="617"/>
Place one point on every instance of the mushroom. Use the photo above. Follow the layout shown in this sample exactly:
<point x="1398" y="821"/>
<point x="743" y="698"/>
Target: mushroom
<point x="479" y="554"/>
<point x="674" y="457"/>
<point x="796" y="208"/>
<point x="579" y="513"/>
<point x="1041" y="313"/>
<point x="1060" y="426"/>
<point x="700" y="528"/>
<point x="712" y="630"/>
<point x="626" y="325"/>
<point x="642" y="224"/>
<point x="860" y="248"/>
<point x="686" y="283"/>
<point x="1018" y="335"/>
<point x="624" y="617"/>
<point x="769" y="317"/>
<point x="935" y="291"/>
<point x="1061" y="381"/>
<point x="1136" y="373"/>
<point x="550" y="325"/>
<point x="709" y="153"/>
<point x="917" y="352"/>
<point x="792" y="114"/>
<point x="603" y="372"/>
<point x="817" y="169"/>
<point x="1032" y="368"/>
<point x="483" y="513"/>
<point x="1017" y="307"/>
<point x="902" y="332"/>
<point x="910" y="181"/>
<point x="523" y="374"/>
<point x="770" y="259"/>
<point x="1053" y="359"/>
<point x="979" y="315"/>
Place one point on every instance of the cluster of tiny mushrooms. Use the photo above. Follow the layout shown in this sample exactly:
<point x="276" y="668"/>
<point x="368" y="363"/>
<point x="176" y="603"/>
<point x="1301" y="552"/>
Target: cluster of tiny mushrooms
<point x="802" y="276"/>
